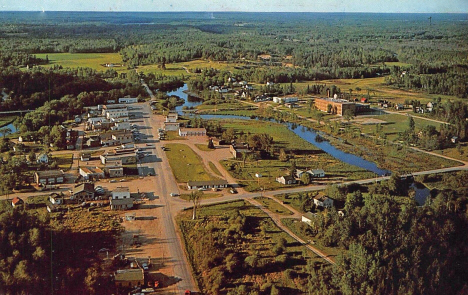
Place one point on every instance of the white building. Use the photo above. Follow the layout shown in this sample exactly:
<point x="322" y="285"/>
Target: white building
<point x="121" y="192"/>
<point x="128" y="100"/>
<point x="192" y="132"/>
<point x="172" y="117"/>
<point x="323" y="201"/>
<point x="308" y="217"/>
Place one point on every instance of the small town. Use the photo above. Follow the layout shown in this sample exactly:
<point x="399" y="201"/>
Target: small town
<point x="233" y="153"/>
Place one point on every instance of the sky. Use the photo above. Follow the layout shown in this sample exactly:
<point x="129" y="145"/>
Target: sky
<point x="389" y="6"/>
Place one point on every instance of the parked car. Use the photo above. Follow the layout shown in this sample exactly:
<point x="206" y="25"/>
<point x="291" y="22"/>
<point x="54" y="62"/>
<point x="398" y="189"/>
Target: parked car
<point x="174" y="195"/>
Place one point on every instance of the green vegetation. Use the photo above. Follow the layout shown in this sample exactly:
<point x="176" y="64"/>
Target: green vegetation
<point x="186" y="164"/>
<point x="96" y="61"/>
<point x="296" y="150"/>
<point x="5" y="120"/>
<point x="214" y="169"/>
<point x="64" y="161"/>
<point x="235" y="247"/>
<point x="203" y="147"/>
<point x="273" y="206"/>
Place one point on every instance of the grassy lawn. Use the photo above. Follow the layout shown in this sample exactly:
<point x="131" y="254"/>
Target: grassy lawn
<point x="290" y="199"/>
<point x="5" y="120"/>
<point x="205" y="195"/>
<point x="203" y="147"/>
<point x="214" y="169"/>
<point x="88" y="60"/>
<point x="174" y="135"/>
<point x="241" y="226"/>
<point x="64" y="161"/>
<point x="273" y="206"/>
<point x="186" y="164"/>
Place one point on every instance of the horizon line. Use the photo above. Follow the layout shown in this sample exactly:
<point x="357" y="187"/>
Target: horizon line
<point x="232" y="11"/>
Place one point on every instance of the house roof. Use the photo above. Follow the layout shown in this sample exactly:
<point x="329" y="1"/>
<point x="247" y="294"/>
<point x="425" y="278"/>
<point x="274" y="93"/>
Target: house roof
<point x="114" y="164"/>
<point x="50" y="173"/>
<point x="316" y="171"/>
<point x="192" y="130"/>
<point x="129" y="275"/>
<point x="91" y="170"/>
<point x="84" y="187"/>
<point x="309" y="215"/>
<point x="121" y="189"/>
<point x="17" y="201"/>
<point x="321" y="197"/>
<point x="207" y="183"/>
<point x="288" y="177"/>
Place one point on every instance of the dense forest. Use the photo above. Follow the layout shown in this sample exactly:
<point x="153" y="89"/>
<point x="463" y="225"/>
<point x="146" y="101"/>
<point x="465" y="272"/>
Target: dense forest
<point x="315" y="46"/>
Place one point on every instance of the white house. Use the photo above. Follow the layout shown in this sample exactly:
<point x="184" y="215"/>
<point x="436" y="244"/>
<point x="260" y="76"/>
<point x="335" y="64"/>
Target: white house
<point x="172" y="117"/>
<point x="121" y="126"/>
<point x="285" y="99"/>
<point x="308" y="217"/>
<point x="316" y="172"/>
<point x="323" y="201"/>
<point x="91" y="173"/>
<point x="121" y="192"/>
<point x="128" y="100"/>
<point x="42" y="158"/>
<point x="287" y="179"/>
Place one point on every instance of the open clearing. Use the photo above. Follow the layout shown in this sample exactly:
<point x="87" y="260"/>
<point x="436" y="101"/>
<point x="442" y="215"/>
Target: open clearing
<point x="186" y="164"/>
<point x="84" y="60"/>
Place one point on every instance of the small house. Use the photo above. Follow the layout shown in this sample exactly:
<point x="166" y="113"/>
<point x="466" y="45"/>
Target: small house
<point x="17" y="202"/>
<point x="56" y="199"/>
<point x="129" y="278"/>
<point x="83" y="191"/>
<point x="286" y="179"/>
<point x="323" y="201"/>
<point x="91" y="173"/>
<point x="316" y="173"/>
<point x="454" y="139"/>
<point x="121" y="192"/>
<point x="85" y="157"/>
<point x="308" y="217"/>
<point x="121" y="204"/>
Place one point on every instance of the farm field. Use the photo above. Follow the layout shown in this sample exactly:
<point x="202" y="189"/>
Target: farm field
<point x="84" y="60"/>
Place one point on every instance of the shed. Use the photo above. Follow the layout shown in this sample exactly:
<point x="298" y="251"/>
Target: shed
<point x="17" y="202"/>
<point x="129" y="278"/>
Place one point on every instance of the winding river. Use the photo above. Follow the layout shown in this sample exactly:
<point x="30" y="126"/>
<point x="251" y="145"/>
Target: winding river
<point x="304" y="132"/>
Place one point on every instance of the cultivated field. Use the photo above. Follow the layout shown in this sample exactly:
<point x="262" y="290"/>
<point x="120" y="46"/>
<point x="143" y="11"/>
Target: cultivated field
<point x="84" y="60"/>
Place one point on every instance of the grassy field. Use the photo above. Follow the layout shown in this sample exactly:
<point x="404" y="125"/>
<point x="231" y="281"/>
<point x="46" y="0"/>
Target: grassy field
<point x="5" y="120"/>
<point x="88" y="60"/>
<point x="305" y="155"/>
<point x="214" y="169"/>
<point x="205" y="195"/>
<point x="394" y="124"/>
<point x="186" y="164"/>
<point x="64" y="161"/>
<point x="259" y="259"/>
<point x="376" y="88"/>
<point x="273" y="206"/>
<point x="203" y="147"/>
<point x="299" y="227"/>
<point x="187" y="68"/>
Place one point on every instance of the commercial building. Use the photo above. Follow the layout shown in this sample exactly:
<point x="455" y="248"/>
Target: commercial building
<point x="335" y="105"/>
<point x="49" y="177"/>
